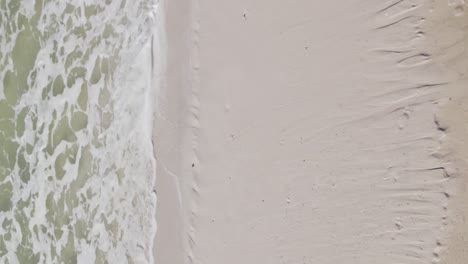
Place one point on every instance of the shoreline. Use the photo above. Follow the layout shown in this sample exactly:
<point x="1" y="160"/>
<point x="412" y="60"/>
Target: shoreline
<point x="167" y="137"/>
<point x="317" y="133"/>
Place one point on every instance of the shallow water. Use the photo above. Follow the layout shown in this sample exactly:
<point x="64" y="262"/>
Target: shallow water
<point x="76" y="163"/>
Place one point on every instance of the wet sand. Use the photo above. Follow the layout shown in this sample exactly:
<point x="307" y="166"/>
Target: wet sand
<point x="312" y="132"/>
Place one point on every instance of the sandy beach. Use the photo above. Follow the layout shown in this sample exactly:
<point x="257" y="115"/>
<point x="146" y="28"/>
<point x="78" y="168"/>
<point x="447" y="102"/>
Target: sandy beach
<point x="312" y="132"/>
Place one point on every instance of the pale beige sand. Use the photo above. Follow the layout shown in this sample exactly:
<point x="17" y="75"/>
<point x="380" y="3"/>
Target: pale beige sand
<point x="311" y="131"/>
<point x="168" y="133"/>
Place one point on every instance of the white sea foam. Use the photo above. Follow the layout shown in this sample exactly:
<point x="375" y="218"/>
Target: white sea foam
<point x="76" y="104"/>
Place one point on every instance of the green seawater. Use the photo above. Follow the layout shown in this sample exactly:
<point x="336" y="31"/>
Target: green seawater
<point x="76" y="164"/>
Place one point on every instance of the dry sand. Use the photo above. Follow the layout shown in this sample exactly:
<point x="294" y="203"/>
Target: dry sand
<point x="306" y="131"/>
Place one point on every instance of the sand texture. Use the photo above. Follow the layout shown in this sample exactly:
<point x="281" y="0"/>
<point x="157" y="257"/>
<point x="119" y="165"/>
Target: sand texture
<point x="306" y="131"/>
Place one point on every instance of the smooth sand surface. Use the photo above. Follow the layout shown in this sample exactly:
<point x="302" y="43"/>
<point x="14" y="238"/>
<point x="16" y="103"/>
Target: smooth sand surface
<point x="311" y="131"/>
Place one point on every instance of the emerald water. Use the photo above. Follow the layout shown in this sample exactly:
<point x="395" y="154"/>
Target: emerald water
<point x="76" y="159"/>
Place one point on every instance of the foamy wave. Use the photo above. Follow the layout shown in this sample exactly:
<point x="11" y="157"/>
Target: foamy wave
<point x="76" y="169"/>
